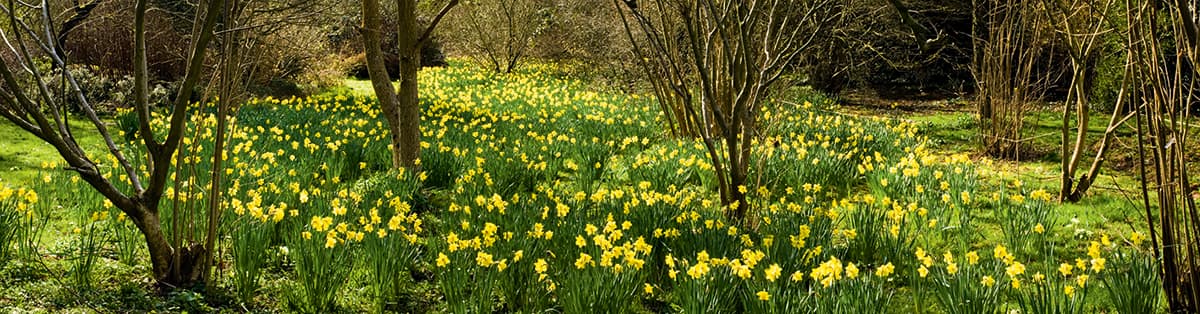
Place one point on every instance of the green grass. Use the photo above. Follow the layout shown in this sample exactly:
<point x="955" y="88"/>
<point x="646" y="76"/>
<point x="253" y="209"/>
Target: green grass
<point x="1112" y="205"/>
<point x="359" y="87"/>
<point x="21" y="166"/>
<point x="22" y="154"/>
<point x="958" y="131"/>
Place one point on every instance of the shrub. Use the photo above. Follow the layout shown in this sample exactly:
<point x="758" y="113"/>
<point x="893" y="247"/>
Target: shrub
<point x="499" y="34"/>
<point x="345" y="38"/>
<point x="107" y="90"/>
<point x="105" y="40"/>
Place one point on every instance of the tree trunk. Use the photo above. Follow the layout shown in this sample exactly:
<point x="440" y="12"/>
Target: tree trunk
<point x="171" y="267"/>
<point x="1070" y="166"/>
<point x="1082" y="119"/>
<point x="1086" y="181"/>
<point x="228" y="79"/>
<point x="1070" y="158"/>
<point x="409" y="146"/>
<point x="738" y="198"/>
<point x="381" y="82"/>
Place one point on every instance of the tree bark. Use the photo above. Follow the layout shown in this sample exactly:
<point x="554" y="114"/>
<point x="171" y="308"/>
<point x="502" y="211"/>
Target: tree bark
<point x="1080" y="25"/>
<point x="82" y="12"/>
<point x="920" y="33"/>
<point x="401" y="108"/>
<point x="1079" y="90"/>
<point x="381" y="81"/>
<point x="409" y="105"/>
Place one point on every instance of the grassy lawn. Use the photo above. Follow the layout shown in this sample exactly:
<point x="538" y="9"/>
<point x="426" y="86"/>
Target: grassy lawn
<point x="360" y="87"/>
<point x="1113" y="203"/>
<point x="23" y="154"/>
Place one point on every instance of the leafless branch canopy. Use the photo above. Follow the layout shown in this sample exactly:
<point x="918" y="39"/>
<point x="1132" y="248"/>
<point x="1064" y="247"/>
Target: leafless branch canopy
<point x="712" y="64"/>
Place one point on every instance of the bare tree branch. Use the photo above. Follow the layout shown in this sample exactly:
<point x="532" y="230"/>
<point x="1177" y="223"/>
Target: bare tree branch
<point x="421" y="40"/>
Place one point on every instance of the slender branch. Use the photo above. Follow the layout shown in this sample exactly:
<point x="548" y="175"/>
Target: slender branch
<point x="162" y="157"/>
<point x="433" y="24"/>
<point x="86" y="105"/>
<point x="141" y="77"/>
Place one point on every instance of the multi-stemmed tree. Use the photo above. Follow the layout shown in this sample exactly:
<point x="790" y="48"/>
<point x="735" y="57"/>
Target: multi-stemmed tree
<point x="27" y="100"/>
<point x="713" y="64"/>
<point x="1081" y="25"/>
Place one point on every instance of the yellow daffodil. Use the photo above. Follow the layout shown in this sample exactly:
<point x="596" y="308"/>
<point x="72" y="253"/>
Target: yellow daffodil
<point x="988" y="281"/>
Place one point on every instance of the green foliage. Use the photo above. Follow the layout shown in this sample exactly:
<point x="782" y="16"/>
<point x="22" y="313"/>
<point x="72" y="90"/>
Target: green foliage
<point x="250" y="244"/>
<point x="89" y="237"/>
<point x="33" y="217"/>
<point x="715" y="293"/>
<point x="866" y="294"/>
<point x="876" y="242"/>
<point x="322" y="261"/>
<point x="389" y="257"/>
<point x="1051" y="298"/>
<point x="10" y="220"/>
<point x="666" y="165"/>
<point x="971" y="285"/>
<point x="1024" y="222"/>
<point x="1134" y="285"/>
